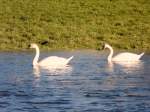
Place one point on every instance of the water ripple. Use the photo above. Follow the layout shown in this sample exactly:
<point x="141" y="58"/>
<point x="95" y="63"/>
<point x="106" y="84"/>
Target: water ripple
<point x="89" y="84"/>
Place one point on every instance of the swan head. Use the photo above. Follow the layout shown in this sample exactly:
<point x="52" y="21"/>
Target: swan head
<point x="33" y="45"/>
<point x="106" y="46"/>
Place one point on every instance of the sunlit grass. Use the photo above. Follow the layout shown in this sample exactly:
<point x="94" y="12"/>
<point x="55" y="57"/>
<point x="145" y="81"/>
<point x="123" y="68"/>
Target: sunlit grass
<point x="75" y="24"/>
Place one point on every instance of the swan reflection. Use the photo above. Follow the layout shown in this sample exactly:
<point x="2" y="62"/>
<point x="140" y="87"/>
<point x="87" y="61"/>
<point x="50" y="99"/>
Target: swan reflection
<point x="110" y="66"/>
<point x="130" y="64"/>
<point x="130" y="67"/>
<point x="37" y="71"/>
<point x="118" y="71"/>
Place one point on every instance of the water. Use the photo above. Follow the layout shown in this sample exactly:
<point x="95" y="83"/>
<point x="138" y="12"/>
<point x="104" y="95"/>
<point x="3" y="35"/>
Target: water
<point x="89" y="84"/>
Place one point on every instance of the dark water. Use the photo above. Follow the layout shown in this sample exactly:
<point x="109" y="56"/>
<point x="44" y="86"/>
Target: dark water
<point x="89" y="84"/>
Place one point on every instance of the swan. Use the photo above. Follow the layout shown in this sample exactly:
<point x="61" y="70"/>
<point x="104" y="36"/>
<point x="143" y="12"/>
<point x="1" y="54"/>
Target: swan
<point x="126" y="56"/>
<point x="52" y="61"/>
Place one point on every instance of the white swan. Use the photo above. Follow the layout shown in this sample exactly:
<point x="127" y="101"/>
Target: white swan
<point x="126" y="56"/>
<point x="52" y="61"/>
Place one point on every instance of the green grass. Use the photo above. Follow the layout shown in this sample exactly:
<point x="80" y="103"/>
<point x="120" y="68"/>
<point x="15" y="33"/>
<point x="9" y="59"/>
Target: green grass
<point x="75" y="24"/>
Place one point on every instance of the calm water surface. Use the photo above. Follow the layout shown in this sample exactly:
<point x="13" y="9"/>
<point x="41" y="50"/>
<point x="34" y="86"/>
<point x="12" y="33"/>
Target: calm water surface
<point x="89" y="84"/>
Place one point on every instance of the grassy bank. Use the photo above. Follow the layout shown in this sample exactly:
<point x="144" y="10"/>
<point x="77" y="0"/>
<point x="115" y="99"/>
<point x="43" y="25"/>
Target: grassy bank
<point x="75" y="24"/>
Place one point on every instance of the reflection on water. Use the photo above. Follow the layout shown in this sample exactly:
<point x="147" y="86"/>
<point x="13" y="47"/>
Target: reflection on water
<point x="89" y="84"/>
<point x="133" y="64"/>
<point x="121" y="67"/>
<point x="51" y="71"/>
<point x="126" y="65"/>
<point x="36" y="71"/>
<point x="110" y="66"/>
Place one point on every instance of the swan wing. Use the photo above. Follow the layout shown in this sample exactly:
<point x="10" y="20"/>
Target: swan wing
<point x="126" y="57"/>
<point x="53" y="61"/>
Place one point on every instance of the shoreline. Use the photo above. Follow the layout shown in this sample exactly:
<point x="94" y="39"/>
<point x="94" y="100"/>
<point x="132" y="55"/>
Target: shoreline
<point x="75" y="50"/>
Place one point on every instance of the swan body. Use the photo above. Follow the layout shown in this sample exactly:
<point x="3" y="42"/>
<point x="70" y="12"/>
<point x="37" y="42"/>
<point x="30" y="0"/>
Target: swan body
<point x="126" y="56"/>
<point x="52" y="61"/>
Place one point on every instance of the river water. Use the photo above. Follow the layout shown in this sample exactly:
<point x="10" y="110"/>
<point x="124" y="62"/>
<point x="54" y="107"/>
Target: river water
<point x="88" y="84"/>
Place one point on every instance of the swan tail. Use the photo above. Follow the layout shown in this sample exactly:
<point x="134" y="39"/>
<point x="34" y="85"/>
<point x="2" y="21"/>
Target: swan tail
<point x="69" y="59"/>
<point x="141" y="55"/>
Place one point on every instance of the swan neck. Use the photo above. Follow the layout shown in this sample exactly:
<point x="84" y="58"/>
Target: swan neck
<point x="111" y="54"/>
<point x="36" y="58"/>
